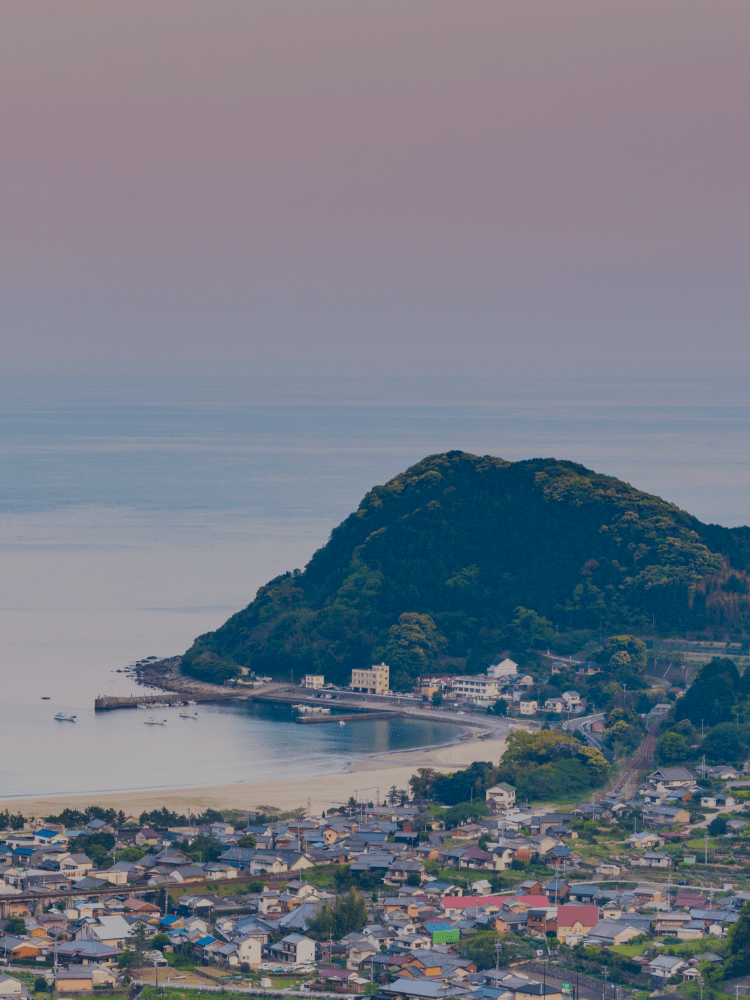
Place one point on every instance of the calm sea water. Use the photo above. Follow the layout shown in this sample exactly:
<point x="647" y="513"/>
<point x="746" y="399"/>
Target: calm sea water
<point x="136" y="514"/>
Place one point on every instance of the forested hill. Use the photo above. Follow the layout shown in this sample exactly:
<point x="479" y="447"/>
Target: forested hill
<point x="447" y="559"/>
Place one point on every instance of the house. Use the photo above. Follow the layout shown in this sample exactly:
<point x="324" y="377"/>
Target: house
<point x="474" y="857"/>
<point x="610" y="933"/>
<point x="314" y="681"/>
<point x="505" y="668"/>
<point x="656" y="815"/>
<point x="541" y="921"/>
<point x="572" y="701"/>
<point x="47" y="837"/>
<point x="500" y="796"/>
<point x="720" y="801"/>
<point x="399" y="871"/>
<point x="644" y="839"/>
<point x="653" y="859"/>
<point x="83" y="977"/>
<point x="673" y="779"/>
<point x="576" y="921"/>
<point x="296" y="949"/>
<point x="554" y="705"/>
<point x="665" y="966"/>
<point x="249" y="950"/>
<point x="10" y="987"/>
<point x="528" y="707"/>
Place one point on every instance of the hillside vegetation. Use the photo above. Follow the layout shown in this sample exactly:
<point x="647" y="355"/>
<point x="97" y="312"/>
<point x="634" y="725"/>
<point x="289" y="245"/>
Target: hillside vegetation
<point x="461" y="557"/>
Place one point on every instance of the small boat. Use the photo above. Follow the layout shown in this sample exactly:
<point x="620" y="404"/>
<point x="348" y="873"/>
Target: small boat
<point x="341" y="722"/>
<point x="62" y="717"/>
<point x="192" y="703"/>
<point x="155" y="722"/>
<point x="175" y="704"/>
<point x="188" y="715"/>
<point x="45" y="697"/>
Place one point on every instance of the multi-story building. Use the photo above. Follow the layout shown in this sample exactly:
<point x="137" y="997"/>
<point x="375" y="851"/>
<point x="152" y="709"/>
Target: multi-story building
<point x="376" y="680"/>
<point x="477" y="689"/>
<point x="506" y="668"/>
<point x="528" y="707"/>
<point x="314" y="681"/>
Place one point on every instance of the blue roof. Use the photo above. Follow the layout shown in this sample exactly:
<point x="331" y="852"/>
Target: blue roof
<point x="204" y="942"/>
<point x="440" y="926"/>
<point x="169" y="920"/>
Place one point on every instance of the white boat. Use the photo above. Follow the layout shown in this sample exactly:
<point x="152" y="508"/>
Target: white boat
<point x="155" y="722"/>
<point x="192" y="703"/>
<point x="62" y="717"/>
<point x="341" y="722"/>
<point x="188" y="715"/>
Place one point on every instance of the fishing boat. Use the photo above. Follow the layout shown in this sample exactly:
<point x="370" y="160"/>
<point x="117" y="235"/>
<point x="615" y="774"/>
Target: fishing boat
<point x="192" y="703"/>
<point x="62" y="717"/>
<point x="188" y="715"/>
<point x="45" y="697"/>
<point x="155" y="722"/>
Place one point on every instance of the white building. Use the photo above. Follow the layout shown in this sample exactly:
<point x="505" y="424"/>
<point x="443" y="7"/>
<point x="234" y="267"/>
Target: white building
<point x="477" y="689"/>
<point x="500" y="796"/>
<point x="529" y="707"/>
<point x="554" y="705"/>
<point x="572" y="700"/>
<point x="314" y="681"/>
<point x="506" y="668"/>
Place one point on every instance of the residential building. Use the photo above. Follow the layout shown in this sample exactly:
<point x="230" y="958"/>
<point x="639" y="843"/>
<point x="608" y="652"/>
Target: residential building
<point x="528" y="707"/>
<point x="665" y="966"/>
<point x="719" y="801"/>
<point x="297" y="949"/>
<point x="576" y="921"/>
<point x="554" y="705"/>
<point x="477" y="689"/>
<point x="376" y="680"/>
<point x="610" y="933"/>
<point x="505" y="668"/>
<point x="314" y="681"/>
<point x="500" y="796"/>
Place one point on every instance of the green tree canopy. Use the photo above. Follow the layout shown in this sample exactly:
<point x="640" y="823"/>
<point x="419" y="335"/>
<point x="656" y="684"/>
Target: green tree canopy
<point x="412" y="646"/>
<point x="672" y="748"/>
<point x="725" y="744"/>
<point x="712" y="694"/>
<point x="466" y="542"/>
<point x="348" y="914"/>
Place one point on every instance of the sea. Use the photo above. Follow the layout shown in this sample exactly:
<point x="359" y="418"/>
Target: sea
<point x="139" y="511"/>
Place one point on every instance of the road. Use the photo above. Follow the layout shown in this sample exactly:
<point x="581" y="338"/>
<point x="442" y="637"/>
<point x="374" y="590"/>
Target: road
<point x="583" y="725"/>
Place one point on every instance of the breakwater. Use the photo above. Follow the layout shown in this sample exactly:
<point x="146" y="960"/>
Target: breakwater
<point x="108" y="703"/>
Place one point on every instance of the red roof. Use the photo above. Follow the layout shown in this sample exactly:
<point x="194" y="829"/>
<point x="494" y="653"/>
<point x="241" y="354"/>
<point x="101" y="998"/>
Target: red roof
<point x="467" y="902"/>
<point x="568" y="915"/>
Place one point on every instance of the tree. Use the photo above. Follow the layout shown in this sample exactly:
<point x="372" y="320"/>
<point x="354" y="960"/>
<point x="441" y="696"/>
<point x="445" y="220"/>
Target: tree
<point x="672" y="748"/>
<point x="712" y="694"/>
<point x="737" y="962"/>
<point x="15" y="926"/>
<point x="500" y="707"/>
<point x="204" y="847"/>
<point x="725" y="744"/>
<point x="624" y="655"/>
<point x="422" y="782"/>
<point x="160" y="941"/>
<point x="437" y="698"/>
<point x="247" y="841"/>
<point x="717" y="827"/>
<point x="348" y="914"/>
<point x="40" y="984"/>
<point x="413" y="644"/>
<point x="528" y="629"/>
<point x="413" y="879"/>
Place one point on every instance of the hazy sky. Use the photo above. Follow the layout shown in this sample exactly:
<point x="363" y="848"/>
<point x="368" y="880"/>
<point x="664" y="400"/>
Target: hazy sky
<point x="482" y="182"/>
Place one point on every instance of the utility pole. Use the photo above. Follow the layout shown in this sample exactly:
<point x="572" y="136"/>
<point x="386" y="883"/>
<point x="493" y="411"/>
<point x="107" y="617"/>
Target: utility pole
<point x="604" y="997"/>
<point x="705" y="856"/>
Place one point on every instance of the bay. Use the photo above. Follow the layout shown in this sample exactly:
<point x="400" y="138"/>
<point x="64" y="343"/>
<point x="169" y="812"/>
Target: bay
<point x="137" y="513"/>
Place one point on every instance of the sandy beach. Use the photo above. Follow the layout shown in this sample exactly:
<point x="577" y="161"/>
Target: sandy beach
<point x="367" y="779"/>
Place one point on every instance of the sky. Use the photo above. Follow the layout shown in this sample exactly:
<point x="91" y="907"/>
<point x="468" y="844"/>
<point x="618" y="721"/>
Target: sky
<point x="469" y="183"/>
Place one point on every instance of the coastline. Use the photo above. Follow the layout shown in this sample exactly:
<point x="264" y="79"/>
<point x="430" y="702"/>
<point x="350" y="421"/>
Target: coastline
<point x="367" y="778"/>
